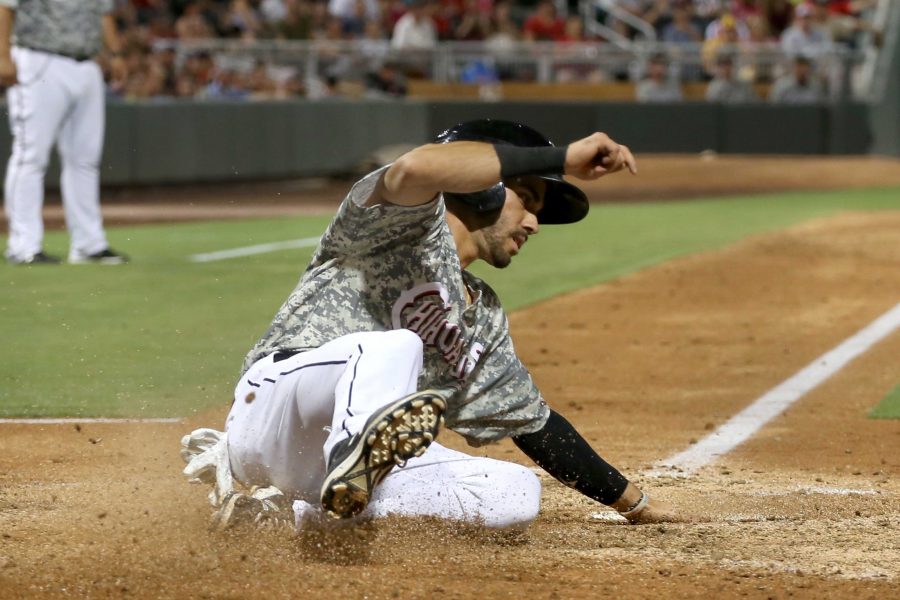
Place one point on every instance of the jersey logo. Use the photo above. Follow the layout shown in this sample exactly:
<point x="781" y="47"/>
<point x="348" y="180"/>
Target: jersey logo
<point x="423" y="310"/>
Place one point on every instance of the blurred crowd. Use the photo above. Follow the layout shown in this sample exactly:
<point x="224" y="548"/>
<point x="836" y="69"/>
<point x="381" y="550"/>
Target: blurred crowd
<point x="159" y="36"/>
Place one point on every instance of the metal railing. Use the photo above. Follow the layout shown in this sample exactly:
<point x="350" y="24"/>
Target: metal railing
<point x="541" y="62"/>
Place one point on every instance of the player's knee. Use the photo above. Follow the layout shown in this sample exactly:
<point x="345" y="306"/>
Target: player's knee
<point x="78" y="162"/>
<point x="30" y="159"/>
<point x="402" y="341"/>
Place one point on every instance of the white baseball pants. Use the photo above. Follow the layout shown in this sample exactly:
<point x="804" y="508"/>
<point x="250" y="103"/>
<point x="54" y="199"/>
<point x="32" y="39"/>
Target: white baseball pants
<point x="288" y="415"/>
<point x="60" y="100"/>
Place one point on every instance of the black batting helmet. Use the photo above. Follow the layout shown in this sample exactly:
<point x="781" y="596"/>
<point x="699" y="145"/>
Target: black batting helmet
<point x="563" y="202"/>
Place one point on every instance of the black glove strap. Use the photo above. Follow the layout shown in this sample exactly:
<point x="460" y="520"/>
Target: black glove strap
<point x="562" y="452"/>
<point x="543" y="160"/>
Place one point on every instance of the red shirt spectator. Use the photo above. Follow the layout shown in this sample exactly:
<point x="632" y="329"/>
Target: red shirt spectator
<point x="544" y="25"/>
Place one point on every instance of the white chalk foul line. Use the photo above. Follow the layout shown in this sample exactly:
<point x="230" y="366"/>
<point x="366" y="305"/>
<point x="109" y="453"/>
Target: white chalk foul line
<point x="743" y="425"/>
<point x="70" y="420"/>
<point x="251" y="250"/>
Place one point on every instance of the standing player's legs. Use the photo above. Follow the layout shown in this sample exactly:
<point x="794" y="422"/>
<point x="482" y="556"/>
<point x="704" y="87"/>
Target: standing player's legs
<point x="37" y="106"/>
<point x="80" y="146"/>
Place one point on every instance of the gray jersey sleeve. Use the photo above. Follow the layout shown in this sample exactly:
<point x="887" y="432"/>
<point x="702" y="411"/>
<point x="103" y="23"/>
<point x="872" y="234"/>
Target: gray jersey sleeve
<point x="360" y="229"/>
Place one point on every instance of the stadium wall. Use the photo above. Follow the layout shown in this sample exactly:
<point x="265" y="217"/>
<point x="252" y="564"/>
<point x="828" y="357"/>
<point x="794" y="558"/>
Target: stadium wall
<point x="885" y="113"/>
<point x="185" y="142"/>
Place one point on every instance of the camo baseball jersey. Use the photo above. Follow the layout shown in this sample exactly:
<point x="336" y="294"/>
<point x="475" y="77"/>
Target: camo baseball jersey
<point x="388" y="267"/>
<point x="68" y="27"/>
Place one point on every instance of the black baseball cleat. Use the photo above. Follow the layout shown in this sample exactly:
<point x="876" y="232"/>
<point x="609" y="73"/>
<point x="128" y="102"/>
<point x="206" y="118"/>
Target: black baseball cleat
<point x="106" y="256"/>
<point x="41" y="258"/>
<point x="392" y="435"/>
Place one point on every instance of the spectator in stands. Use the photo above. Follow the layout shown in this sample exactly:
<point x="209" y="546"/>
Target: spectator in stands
<point x="227" y="84"/>
<point x="726" y="87"/>
<point x="474" y="23"/>
<point x="354" y="26"/>
<point x="544" y="25"/>
<point x="730" y="22"/>
<point x="192" y="25"/>
<point x="727" y="39"/>
<point x="778" y="15"/>
<point x="185" y="87"/>
<point x="386" y="80"/>
<point x="258" y="83"/>
<point x="323" y="88"/>
<point x="348" y="9"/>
<point x="657" y="85"/>
<point x="374" y="45"/>
<point x="570" y="58"/>
<point x="415" y="30"/>
<point x="842" y="19"/>
<point x="682" y="29"/>
<point x="758" y="63"/>
<point x="659" y="13"/>
<point x="240" y="21"/>
<point x="744" y="9"/>
<point x="298" y="21"/>
<point x="760" y="32"/>
<point x="272" y="11"/>
<point x="804" y="37"/>
<point x="708" y="11"/>
<point x="504" y="31"/>
<point x="166" y="64"/>
<point x="800" y="86"/>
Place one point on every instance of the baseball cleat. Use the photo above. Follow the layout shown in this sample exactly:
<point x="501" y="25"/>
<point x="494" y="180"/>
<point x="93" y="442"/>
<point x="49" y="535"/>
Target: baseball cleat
<point x="397" y="432"/>
<point x="104" y="257"/>
<point x="40" y="258"/>
<point x="264" y="508"/>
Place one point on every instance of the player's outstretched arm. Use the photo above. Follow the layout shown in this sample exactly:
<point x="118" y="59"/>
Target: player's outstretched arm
<point x="464" y="167"/>
<point x="561" y="451"/>
<point x="420" y="174"/>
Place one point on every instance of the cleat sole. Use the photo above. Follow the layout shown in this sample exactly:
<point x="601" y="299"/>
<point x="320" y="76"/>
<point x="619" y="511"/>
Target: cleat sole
<point x="399" y="432"/>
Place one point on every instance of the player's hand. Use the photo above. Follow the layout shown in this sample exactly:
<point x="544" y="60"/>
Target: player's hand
<point x="8" y="72"/>
<point x="598" y="155"/>
<point x="661" y="512"/>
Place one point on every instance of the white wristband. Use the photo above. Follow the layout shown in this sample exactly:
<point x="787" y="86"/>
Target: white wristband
<point x="634" y="511"/>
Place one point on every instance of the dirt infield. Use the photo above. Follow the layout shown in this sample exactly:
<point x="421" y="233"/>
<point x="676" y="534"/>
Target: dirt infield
<point x="645" y="366"/>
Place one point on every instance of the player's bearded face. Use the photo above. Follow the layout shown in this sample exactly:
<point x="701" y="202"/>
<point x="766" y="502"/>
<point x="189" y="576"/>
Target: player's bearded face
<point x="505" y="237"/>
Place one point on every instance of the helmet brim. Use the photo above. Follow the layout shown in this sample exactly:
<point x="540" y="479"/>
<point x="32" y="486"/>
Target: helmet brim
<point x="563" y="202"/>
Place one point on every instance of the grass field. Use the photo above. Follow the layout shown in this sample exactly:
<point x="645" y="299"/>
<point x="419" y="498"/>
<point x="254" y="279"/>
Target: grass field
<point x="889" y="407"/>
<point x="165" y="337"/>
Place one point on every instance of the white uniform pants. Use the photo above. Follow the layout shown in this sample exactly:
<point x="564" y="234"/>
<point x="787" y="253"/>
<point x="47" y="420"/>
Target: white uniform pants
<point x="287" y="416"/>
<point x="60" y="100"/>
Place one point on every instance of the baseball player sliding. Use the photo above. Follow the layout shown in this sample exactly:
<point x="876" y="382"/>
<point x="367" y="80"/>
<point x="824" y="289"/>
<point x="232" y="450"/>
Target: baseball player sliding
<point x="387" y="338"/>
<point x="55" y="93"/>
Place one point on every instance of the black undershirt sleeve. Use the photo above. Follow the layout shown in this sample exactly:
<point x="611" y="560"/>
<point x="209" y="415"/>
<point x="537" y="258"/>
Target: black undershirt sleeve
<point x="562" y="452"/>
<point x="519" y="160"/>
